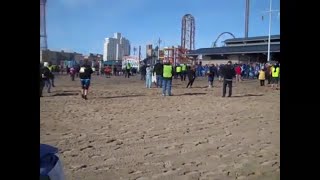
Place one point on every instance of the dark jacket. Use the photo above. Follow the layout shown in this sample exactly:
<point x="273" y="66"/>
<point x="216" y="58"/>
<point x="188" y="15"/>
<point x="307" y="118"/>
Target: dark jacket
<point x="191" y="74"/>
<point x="158" y="69"/>
<point x="143" y="70"/>
<point x="45" y="73"/>
<point x="211" y="73"/>
<point x="87" y="72"/>
<point x="228" y="72"/>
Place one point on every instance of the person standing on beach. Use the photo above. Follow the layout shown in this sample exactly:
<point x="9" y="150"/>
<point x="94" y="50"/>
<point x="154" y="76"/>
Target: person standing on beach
<point x="72" y="73"/>
<point x="183" y="72"/>
<point x="143" y="72"/>
<point x="158" y="70"/>
<point x="191" y="76"/>
<point x="262" y="76"/>
<point x="148" y="76"/>
<point x="228" y="73"/>
<point x="46" y="75"/>
<point x="42" y="83"/>
<point x="85" y="78"/>
<point x="50" y="67"/>
<point x="268" y="73"/>
<point x="167" y="78"/>
<point x="211" y="74"/>
<point x="178" y="72"/>
<point x="220" y="72"/>
<point x="238" y="73"/>
<point x="275" y="73"/>
<point x="128" y="69"/>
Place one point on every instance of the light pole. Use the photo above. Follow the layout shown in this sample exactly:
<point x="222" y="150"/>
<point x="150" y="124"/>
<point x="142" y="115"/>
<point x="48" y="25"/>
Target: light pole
<point x="269" y="33"/>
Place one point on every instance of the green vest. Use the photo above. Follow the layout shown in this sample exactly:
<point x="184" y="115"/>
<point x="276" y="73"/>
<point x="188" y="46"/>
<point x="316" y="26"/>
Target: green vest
<point x="184" y="67"/>
<point x="50" y="68"/>
<point x="128" y="66"/>
<point x="167" y="71"/>
<point x="275" y="74"/>
<point x="178" y="68"/>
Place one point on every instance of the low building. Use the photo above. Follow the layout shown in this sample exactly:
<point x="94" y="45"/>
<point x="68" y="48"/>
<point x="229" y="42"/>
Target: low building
<point x="58" y="57"/>
<point x="240" y="50"/>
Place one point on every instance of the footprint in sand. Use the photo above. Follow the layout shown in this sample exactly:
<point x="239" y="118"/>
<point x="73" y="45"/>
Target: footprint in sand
<point x="102" y="168"/>
<point x="221" y="147"/>
<point x="205" y="141"/>
<point x="149" y="154"/>
<point x="141" y="178"/>
<point x="111" y="140"/>
<point x="87" y="147"/>
<point x="79" y="167"/>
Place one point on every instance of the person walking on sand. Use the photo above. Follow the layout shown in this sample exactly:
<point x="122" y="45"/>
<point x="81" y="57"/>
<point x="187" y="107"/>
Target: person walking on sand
<point x="72" y="73"/>
<point x="191" y="76"/>
<point x="46" y="75"/>
<point x="148" y="76"/>
<point x="238" y="73"/>
<point x="50" y="67"/>
<point x="167" y="79"/>
<point x="228" y="73"/>
<point x="42" y="83"/>
<point x="85" y="78"/>
<point x="211" y="74"/>
<point x="262" y="76"/>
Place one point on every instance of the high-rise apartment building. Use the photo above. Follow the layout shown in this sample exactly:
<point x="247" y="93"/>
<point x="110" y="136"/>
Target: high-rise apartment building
<point x="116" y="47"/>
<point x="149" y="50"/>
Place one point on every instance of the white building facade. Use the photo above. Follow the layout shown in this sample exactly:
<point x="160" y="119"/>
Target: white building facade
<point x="116" y="47"/>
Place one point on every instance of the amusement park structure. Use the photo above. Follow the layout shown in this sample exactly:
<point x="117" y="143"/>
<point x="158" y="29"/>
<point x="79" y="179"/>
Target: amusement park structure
<point x="175" y="55"/>
<point x="188" y="32"/>
<point x="214" y="44"/>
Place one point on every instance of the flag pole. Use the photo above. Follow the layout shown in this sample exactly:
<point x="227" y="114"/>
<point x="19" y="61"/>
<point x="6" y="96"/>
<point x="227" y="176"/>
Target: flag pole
<point x="269" y="38"/>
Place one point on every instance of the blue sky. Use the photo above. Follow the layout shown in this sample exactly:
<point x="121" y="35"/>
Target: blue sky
<point x="82" y="25"/>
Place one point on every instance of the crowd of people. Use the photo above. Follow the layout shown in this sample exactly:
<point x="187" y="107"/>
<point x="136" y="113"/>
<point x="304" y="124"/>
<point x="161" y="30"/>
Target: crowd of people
<point x="162" y="74"/>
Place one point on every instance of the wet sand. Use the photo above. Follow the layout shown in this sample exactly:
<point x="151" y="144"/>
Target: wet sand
<point x="125" y="131"/>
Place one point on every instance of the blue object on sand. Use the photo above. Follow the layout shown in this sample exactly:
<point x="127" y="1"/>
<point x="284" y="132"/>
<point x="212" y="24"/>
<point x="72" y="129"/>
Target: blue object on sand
<point x="50" y="165"/>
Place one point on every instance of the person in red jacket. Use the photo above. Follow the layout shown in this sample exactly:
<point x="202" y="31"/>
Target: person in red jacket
<point x="107" y="71"/>
<point x="238" y="73"/>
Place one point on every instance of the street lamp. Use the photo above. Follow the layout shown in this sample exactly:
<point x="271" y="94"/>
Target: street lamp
<point x="269" y="34"/>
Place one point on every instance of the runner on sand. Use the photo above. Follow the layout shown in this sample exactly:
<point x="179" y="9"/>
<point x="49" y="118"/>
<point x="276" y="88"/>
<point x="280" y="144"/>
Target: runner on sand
<point x="85" y="77"/>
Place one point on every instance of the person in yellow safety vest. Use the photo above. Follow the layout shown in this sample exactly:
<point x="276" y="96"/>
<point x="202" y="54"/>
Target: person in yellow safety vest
<point x="128" y="68"/>
<point x="50" y="67"/>
<point x="167" y="79"/>
<point x="178" y="71"/>
<point x="184" y="72"/>
<point x="275" y="73"/>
